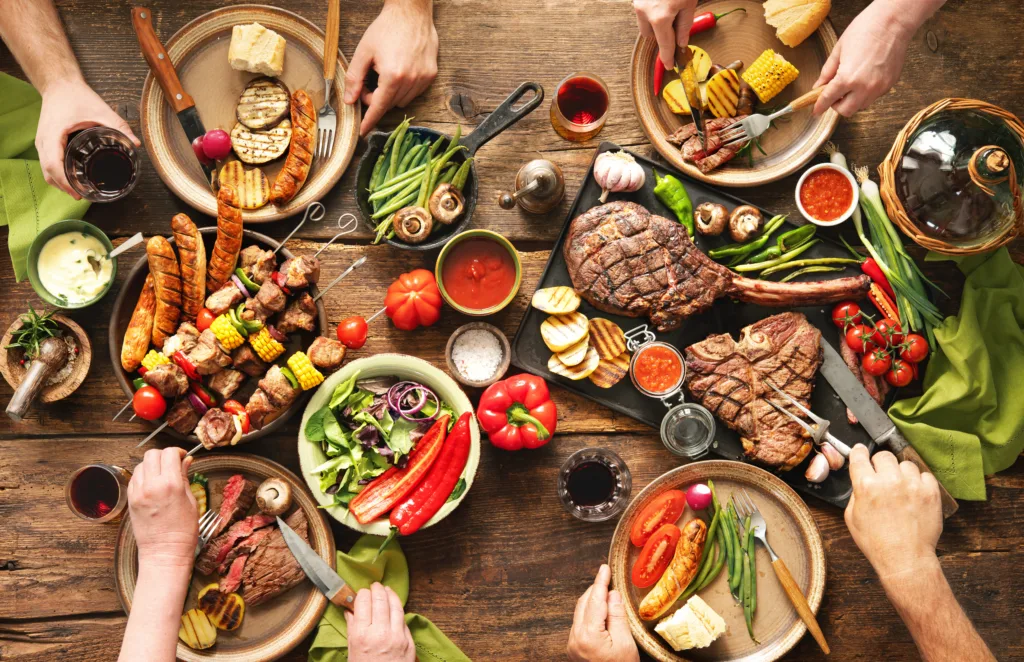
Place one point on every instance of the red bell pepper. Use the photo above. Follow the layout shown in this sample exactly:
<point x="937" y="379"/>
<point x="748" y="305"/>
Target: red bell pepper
<point x="186" y="365"/>
<point x="424" y="502"/>
<point x="518" y="413"/>
<point x="395" y="484"/>
<point x="413" y="300"/>
<point x="237" y="409"/>
<point x="281" y="281"/>
<point x="204" y="394"/>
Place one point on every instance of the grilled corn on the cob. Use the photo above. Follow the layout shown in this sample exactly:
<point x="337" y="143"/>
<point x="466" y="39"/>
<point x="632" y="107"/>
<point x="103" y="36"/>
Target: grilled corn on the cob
<point x="304" y="371"/>
<point x="769" y="74"/>
<point x="226" y="333"/>
<point x="154" y="358"/>
<point x="266" y="347"/>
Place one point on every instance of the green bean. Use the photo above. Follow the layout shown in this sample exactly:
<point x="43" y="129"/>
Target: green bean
<point x="386" y="185"/>
<point x="409" y="157"/>
<point x="388" y="143"/>
<point x="383" y="227"/>
<point x="699" y="579"/>
<point x="706" y="553"/>
<point x="730" y="547"/>
<point x="447" y="175"/>
<point x="396" y="150"/>
<point x="435" y="146"/>
<point x="808" y="270"/>
<point x="790" y="264"/>
<point x="719" y="561"/>
<point x="423" y="157"/>
<point x="375" y="176"/>
<point x="430" y="181"/>
<point x="752" y="552"/>
<point x="749" y="584"/>
<point x="407" y="143"/>
<point x="737" y="561"/>
<point x="782" y="259"/>
<point x="459" y="181"/>
<point x="394" y="205"/>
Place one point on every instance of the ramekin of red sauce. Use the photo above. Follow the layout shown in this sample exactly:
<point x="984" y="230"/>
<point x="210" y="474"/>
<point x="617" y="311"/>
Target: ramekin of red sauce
<point x="827" y="194"/>
<point x="478" y="272"/>
<point x="657" y="369"/>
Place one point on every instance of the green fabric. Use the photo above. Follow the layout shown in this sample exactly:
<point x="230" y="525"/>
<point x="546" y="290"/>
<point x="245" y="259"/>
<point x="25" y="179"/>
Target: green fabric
<point x="359" y="570"/>
<point x="27" y="203"/>
<point x="969" y="422"/>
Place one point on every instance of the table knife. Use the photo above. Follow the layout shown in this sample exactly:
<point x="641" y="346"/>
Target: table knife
<point x="180" y="100"/>
<point x="322" y="575"/>
<point x="688" y="76"/>
<point x="874" y="419"/>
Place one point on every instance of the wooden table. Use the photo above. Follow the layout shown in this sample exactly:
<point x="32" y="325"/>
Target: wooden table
<point x="502" y="574"/>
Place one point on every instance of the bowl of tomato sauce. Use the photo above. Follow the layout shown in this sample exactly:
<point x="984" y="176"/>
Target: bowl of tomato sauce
<point x="826" y="194"/>
<point x="478" y="272"/>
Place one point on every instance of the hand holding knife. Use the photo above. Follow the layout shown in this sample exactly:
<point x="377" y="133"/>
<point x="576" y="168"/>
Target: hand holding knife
<point x="688" y="76"/>
<point x="322" y="575"/>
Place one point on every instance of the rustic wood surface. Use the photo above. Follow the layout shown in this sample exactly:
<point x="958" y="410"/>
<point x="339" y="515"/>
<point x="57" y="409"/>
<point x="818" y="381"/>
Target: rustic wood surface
<point x="502" y="574"/>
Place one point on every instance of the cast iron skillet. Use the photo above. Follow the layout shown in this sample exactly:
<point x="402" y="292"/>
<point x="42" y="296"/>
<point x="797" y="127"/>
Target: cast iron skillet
<point x="124" y="306"/>
<point x="502" y="118"/>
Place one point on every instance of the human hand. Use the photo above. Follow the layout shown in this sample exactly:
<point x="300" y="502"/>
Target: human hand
<point x="669" y="22"/>
<point x="70" y="105"/>
<point x="894" y="515"/>
<point x="599" y="631"/>
<point x="163" y="511"/>
<point x="401" y="45"/>
<point x="376" y="628"/>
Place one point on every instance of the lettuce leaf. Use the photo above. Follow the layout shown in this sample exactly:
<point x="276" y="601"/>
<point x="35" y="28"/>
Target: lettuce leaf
<point x="343" y="390"/>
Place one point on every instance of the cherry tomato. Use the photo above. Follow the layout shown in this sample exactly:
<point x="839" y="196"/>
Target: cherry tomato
<point x="900" y="373"/>
<point x="148" y="404"/>
<point x="204" y="319"/>
<point x="914" y="348"/>
<point x="846" y="314"/>
<point x="858" y="337"/>
<point x="876" y="362"/>
<point x="352" y="332"/>
<point x="655" y="557"/>
<point x="887" y="333"/>
<point x="665" y="509"/>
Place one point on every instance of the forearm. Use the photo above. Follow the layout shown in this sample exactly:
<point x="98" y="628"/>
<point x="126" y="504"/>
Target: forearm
<point x="909" y="15"/>
<point x="938" y="624"/>
<point x="33" y="31"/>
<point x="425" y="5"/>
<point x="153" y="624"/>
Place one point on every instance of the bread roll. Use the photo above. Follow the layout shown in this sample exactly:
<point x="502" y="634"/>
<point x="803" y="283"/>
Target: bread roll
<point x="192" y="254"/>
<point x="795" y="20"/>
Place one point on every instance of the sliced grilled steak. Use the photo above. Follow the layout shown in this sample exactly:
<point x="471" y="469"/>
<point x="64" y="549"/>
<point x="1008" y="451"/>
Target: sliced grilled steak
<point x="246" y="360"/>
<point x="721" y="156"/>
<point x="625" y="261"/>
<point x="271" y="568"/>
<point x="687" y="131"/>
<point x="233" y="577"/>
<point x="218" y="549"/>
<point x="728" y="377"/>
<point x="243" y="548"/>
<point x="237" y="498"/>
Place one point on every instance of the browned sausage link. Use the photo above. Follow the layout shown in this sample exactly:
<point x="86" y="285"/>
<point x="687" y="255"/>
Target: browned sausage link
<point x="229" y="239"/>
<point x="163" y="265"/>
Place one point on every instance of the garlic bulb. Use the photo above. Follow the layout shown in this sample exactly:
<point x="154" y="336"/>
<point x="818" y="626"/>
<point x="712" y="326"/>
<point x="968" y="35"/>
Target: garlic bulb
<point x="834" y="457"/>
<point x="617" y="172"/>
<point x="817" y="470"/>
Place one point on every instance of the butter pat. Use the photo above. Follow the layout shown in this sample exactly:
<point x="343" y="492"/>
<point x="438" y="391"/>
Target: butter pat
<point x="257" y="49"/>
<point x="696" y="625"/>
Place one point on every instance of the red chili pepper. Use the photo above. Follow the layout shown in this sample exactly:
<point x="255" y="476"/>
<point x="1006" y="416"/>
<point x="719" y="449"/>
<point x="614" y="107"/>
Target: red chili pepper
<point x="437" y="486"/>
<point x="659" y="75"/>
<point x="518" y="412"/>
<point x="882" y="301"/>
<point x="186" y="365"/>
<point x="395" y="484"/>
<point x="708" y="20"/>
<point x="871" y="268"/>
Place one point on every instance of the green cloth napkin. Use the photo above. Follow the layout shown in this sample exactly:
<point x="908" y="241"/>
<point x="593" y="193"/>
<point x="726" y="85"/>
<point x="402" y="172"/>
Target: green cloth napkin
<point x="27" y="203"/>
<point x="359" y="570"/>
<point x="970" y="420"/>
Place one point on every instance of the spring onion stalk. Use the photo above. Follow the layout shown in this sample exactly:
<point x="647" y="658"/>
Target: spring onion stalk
<point x="807" y="263"/>
<point x="814" y="269"/>
<point x="782" y="259"/>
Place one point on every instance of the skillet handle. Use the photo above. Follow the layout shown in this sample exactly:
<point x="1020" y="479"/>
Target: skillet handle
<point x="503" y="116"/>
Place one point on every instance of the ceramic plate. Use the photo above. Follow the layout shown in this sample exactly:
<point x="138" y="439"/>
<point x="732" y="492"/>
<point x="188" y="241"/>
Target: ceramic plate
<point x="199" y="52"/>
<point x="793" y="535"/>
<point x="269" y="630"/>
<point x="386" y="365"/>
<point x="742" y="36"/>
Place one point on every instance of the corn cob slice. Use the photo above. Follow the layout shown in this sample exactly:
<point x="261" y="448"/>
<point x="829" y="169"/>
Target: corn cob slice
<point x="154" y="358"/>
<point x="304" y="371"/>
<point x="266" y="347"/>
<point x="226" y="333"/>
<point x="770" y="74"/>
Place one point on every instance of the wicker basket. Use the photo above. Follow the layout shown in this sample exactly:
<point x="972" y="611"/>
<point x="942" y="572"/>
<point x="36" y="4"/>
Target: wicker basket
<point x="985" y="181"/>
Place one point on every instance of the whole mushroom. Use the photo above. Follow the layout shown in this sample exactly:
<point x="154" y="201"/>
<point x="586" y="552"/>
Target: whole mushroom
<point x="274" y="496"/>
<point x="446" y="204"/>
<point x="744" y="222"/>
<point x="711" y="218"/>
<point x="413" y="224"/>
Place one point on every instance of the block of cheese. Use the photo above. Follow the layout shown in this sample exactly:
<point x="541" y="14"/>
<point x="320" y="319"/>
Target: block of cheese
<point x="696" y="625"/>
<point x="257" y="49"/>
<point x="795" y="20"/>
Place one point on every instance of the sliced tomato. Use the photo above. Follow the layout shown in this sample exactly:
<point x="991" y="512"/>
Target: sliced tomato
<point x="655" y="556"/>
<point x="858" y="337"/>
<point x="204" y="319"/>
<point x="665" y="509"/>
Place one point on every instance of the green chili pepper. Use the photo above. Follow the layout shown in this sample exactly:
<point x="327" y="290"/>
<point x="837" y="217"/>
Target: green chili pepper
<point x="671" y="192"/>
<point x="808" y="270"/>
<point x="249" y="285"/>
<point x="462" y="174"/>
<point x="787" y="241"/>
<point x="782" y="259"/>
<point x="743" y="250"/>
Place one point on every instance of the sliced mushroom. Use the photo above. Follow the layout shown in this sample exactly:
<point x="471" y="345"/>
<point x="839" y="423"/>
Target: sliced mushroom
<point x="446" y="204"/>
<point x="413" y="224"/>
<point x="745" y="222"/>
<point x="274" y="496"/>
<point x="711" y="218"/>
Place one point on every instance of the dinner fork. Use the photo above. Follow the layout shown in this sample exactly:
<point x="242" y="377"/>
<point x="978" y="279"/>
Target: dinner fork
<point x="819" y="430"/>
<point x="753" y="126"/>
<point x="745" y="507"/>
<point x="327" y="119"/>
<point x="208" y="523"/>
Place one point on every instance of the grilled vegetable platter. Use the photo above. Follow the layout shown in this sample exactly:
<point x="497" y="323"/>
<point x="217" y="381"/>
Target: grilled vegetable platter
<point x="678" y="558"/>
<point x="248" y="598"/>
<point x="389" y="444"/>
<point x="564" y="338"/>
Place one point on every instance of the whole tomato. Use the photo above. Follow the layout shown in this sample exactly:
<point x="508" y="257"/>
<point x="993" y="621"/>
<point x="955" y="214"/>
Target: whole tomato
<point x="876" y="362"/>
<point x="846" y="314"/>
<point x="413" y="300"/>
<point x="900" y="373"/>
<point x="858" y="337"/>
<point x="148" y="404"/>
<point x="887" y="333"/>
<point x="914" y="348"/>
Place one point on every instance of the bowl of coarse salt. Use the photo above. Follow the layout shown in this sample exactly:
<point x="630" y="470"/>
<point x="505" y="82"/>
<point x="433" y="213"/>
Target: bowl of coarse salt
<point x="478" y="354"/>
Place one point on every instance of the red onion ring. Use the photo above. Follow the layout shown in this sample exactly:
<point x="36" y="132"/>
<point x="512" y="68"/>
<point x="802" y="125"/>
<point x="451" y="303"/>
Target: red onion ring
<point x="197" y="404"/>
<point x="427" y="394"/>
<point x="415" y="408"/>
<point x="241" y="288"/>
<point x="275" y="334"/>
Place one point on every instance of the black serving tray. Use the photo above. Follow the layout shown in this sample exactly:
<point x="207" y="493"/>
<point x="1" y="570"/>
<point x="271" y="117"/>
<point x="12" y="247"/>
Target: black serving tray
<point x="726" y="316"/>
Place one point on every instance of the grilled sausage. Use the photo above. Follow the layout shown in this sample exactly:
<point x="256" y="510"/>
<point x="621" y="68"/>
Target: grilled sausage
<point x="163" y="266"/>
<point x="679" y="573"/>
<point x="229" y="239"/>
<point x="192" y="254"/>
<point x="140" y="328"/>
<point x="300" y="152"/>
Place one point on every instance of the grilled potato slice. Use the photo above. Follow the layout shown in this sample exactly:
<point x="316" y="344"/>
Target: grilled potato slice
<point x="610" y="372"/>
<point x="261" y="146"/>
<point x="225" y="610"/>
<point x="264" y="102"/>
<point x="251" y="185"/>
<point x="607" y="338"/>
<point x="575" y="372"/>
<point x="560" y="300"/>
<point x="563" y="331"/>
<point x="575" y="354"/>
<point x="196" y="630"/>
<point x="724" y="93"/>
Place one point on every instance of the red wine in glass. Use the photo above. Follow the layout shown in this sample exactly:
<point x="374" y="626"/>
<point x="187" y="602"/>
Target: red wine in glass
<point x="101" y="164"/>
<point x="594" y="484"/>
<point x="97" y="492"/>
<point x="580" y="107"/>
<point x="590" y="483"/>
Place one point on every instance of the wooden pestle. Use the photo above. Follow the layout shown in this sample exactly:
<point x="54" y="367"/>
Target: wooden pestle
<point x="53" y="354"/>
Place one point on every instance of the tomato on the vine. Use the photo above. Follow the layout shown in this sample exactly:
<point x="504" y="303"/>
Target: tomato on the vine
<point x="858" y="337"/>
<point x="887" y="333"/>
<point x="352" y="332"/>
<point x="876" y="362"/>
<point x="846" y="314"/>
<point x="900" y="373"/>
<point x="914" y="348"/>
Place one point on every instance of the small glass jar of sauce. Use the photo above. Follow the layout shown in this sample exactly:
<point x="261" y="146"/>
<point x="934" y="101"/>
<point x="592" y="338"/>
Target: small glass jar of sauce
<point x="657" y="369"/>
<point x="594" y="484"/>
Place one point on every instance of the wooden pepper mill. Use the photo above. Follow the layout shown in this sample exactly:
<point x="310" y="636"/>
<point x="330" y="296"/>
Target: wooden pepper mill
<point x="539" y="188"/>
<point x="53" y="354"/>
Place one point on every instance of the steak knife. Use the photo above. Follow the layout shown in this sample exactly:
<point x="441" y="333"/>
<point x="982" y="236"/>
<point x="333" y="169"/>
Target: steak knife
<point x="322" y="575"/>
<point x="873" y="418"/>
<point x="688" y="76"/>
<point x="167" y="78"/>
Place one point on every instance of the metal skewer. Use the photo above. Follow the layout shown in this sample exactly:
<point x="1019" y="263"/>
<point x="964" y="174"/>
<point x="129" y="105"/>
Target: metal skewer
<point x="195" y="450"/>
<point x="152" y="434"/>
<point x="122" y="410"/>
<point x="346" y="225"/>
<point x="337" y="280"/>
<point x="314" y="212"/>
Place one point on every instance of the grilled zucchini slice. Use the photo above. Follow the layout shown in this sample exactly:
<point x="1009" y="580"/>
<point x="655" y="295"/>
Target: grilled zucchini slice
<point x="256" y="147"/>
<point x="198" y="487"/>
<point x="251" y="184"/>
<point x="263" y="103"/>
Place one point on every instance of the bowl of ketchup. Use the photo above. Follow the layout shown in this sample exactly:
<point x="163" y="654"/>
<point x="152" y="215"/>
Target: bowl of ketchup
<point x="826" y="194"/>
<point x="478" y="272"/>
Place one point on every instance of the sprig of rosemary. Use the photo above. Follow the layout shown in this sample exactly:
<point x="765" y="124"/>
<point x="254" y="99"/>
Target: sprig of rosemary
<point x="35" y="328"/>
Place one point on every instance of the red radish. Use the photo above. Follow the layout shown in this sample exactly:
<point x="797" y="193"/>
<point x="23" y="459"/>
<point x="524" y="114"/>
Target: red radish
<point x="698" y="496"/>
<point x="197" y="148"/>
<point x="216" y="144"/>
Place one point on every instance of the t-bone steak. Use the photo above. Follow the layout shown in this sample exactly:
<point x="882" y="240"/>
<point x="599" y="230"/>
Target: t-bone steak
<point x="626" y="261"/>
<point x="728" y="377"/>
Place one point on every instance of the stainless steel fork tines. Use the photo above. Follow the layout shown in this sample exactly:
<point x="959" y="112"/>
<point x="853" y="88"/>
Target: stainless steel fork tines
<point x="208" y="523"/>
<point x="818" y="431"/>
